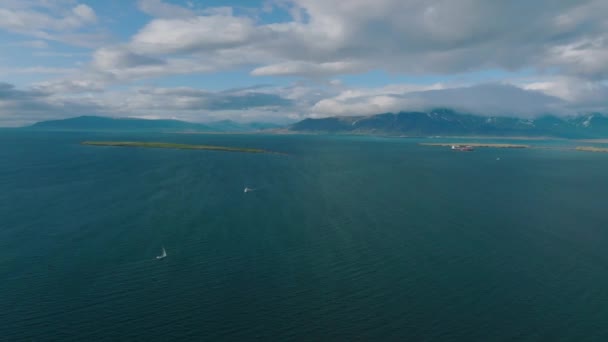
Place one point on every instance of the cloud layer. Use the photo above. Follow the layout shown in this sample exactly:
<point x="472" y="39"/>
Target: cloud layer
<point x="553" y="55"/>
<point x="441" y="36"/>
<point x="60" y="21"/>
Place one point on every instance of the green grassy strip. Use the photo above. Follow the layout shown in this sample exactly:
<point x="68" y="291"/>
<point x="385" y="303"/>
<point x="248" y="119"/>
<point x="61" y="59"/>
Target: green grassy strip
<point x="173" y="146"/>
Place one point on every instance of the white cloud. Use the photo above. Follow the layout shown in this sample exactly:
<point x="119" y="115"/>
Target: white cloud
<point x="308" y="69"/>
<point x="37" y="70"/>
<point x="85" y="14"/>
<point x="70" y="87"/>
<point x="109" y="58"/>
<point x="580" y="95"/>
<point x="224" y="11"/>
<point x="163" y="36"/>
<point x="45" y="21"/>
<point x="281" y="104"/>
<point x="562" y="44"/>
<point x="586" y="58"/>
<point x="160" y="9"/>
<point x="32" y="21"/>
<point x="57" y="100"/>
<point x="368" y="101"/>
<point x="34" y="44"/>
<point x="485" y="99"/>
<point x="491" y="99"/>
<point x="20" y="107"/>
<point x="332" y="37"/>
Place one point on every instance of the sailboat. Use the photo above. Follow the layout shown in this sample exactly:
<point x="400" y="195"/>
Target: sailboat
<point x="247" y="190"/>
<point x="163" y="255"/>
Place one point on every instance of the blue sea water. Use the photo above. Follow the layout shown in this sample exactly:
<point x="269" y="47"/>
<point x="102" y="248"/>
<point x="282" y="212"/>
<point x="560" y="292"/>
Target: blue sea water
<point x="345" y="238"/>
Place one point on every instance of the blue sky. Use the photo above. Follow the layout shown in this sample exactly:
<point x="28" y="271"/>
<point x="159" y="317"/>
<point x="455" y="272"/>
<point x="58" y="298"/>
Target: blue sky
<point x="285" y="60"/>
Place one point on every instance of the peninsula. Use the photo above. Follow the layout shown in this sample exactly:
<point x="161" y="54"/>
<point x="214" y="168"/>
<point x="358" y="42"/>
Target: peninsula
<point x="175" y="146"/>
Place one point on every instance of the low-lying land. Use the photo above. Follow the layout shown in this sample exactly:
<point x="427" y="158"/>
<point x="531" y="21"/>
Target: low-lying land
<point x="174" y="146"/>
<point x="592" y="149"/>
<point x="595" y="141"/>
<point x="477" y="145"/>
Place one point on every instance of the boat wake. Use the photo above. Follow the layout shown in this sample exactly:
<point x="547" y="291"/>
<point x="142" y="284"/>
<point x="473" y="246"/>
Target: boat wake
<point x="163" y="254"/>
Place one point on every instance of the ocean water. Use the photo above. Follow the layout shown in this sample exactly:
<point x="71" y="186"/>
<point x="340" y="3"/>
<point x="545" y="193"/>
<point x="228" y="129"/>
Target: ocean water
<point x="345" y="238"/>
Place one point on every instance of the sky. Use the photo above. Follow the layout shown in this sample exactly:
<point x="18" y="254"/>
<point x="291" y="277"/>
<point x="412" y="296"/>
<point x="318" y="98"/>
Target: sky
<point x="286" y="60"/>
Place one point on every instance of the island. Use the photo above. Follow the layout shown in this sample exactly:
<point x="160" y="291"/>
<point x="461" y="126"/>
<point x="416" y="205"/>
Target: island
<point x="592" y="149"/>
<point x="175" y="146"/>
<point x="476" y="145"/>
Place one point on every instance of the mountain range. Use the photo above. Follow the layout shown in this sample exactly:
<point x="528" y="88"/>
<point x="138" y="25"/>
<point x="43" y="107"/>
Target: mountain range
<point x="99" y="123"/>
<point x="444" y="122"/>
<point x="451" y="123"/>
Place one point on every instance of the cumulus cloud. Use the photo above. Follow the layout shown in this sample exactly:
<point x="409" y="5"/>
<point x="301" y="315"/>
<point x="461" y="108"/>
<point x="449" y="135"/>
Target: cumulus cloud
<point x="484" y="99"/>
<point x="34" y="44"/>
<point x="247" y="104"/>
<point x="20" y="107"/>
<point x="108" y="58"/>
<point x="328" y="38"/>
<point x="196" y="99"/>
<point x="192" y="34"/>
<point x="31" y="21"/>
<point x="83" y="14"/>
<point x="37" y="70"/>
<point x="367" y="101"/>
<point x="9" y="92"/>
<point x="586" y="58"/>
<point x="70" y="86"/>
<point x="307" y="69"/>
<point x="49" y="100"/>
<point x="579" y="94"/>
<point x="282" y="104"/>
<point x="160" y="9"/>
<point x="562" y="44"/>
<point x="491" y="99"/>
<point x="334" y="37"/>
<point x="57" y="21"/>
